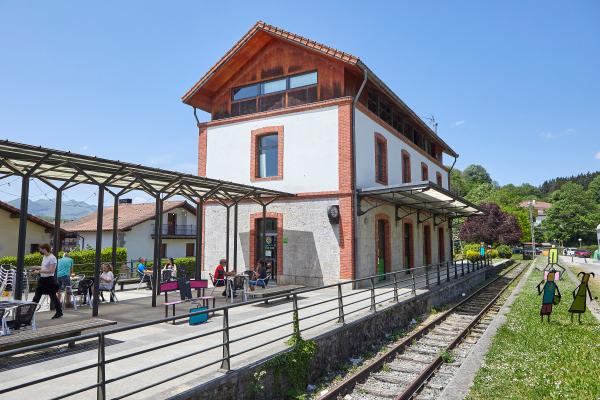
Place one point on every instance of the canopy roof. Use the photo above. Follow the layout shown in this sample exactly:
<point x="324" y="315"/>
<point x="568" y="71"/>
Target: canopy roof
<point x="49" y="164"/>
<point x="425" y="196"/>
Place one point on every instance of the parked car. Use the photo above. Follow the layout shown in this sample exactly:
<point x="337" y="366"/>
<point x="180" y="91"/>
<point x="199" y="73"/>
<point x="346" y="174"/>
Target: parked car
<point x="583" y="253"/>
<point x="569" y="251"/>
<point x="517" y="250"/>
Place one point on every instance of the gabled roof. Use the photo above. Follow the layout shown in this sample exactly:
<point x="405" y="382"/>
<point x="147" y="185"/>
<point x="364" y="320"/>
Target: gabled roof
<point x="251" y="44"/>
<point x="130" y="215"/>
<point x="36" y="220"/>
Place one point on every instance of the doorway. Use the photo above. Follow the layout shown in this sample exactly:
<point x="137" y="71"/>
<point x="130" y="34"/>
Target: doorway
<point x="270" y="244"/>
<point x="171" y="223"/>
<point x="382" y="248"/>
<point x="441" y="245"/>
<point x="407" y="239"/>
<point x="427" y="244"/>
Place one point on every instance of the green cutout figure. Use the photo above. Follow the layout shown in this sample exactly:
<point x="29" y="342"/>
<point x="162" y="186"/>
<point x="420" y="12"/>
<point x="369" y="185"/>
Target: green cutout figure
<point x="551" y="294"/>
<point x="579" y="300"/>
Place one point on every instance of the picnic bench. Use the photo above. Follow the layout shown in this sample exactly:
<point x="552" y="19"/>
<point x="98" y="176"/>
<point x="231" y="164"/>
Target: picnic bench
<point x="127" y="281"/>
<point x="275" y="291"/>
<point x="23" y="338"/>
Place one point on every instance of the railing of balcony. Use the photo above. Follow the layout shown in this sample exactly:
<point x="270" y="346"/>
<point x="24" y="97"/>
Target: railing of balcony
<point x="177" y="230"/>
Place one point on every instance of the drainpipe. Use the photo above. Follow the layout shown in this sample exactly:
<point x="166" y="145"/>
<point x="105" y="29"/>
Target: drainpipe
<point x="354" y="191"/>
<point x="451" y="220"/>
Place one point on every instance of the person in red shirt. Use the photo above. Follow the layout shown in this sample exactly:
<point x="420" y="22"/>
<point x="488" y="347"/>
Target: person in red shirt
<point x="220" y="274"/>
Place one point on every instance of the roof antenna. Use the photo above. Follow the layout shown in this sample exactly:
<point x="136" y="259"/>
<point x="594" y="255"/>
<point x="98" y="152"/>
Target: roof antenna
<point x="433" y="123"/>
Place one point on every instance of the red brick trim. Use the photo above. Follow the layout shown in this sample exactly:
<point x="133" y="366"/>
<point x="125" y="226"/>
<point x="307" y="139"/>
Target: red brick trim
<point x="288" y="110"/>
<point x="380" y="139"/>
<point x="388" y="241"/>
<point x="427" y="253"/>
<point x="406" y="172"/>
<point x="424" y="172"/>
<point x="441" y="244"/>
<point x="345" y="195"/>
<point x="412" y="243"/>
<point x="438" y="179"/>
<point x="252" y="252"/>
<point x="256" y="135"/>
<point x="394" y="132"/>
<point x="202" y="149"/>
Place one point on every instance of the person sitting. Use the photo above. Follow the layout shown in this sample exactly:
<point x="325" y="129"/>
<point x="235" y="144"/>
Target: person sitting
<point x="144" y="275"/>
<point x="170" y="266"/>
<point x="64" y="270"/>
<point x="106" y="280"/>
<point x="221" y="274"/>
<point x="258" y="276"/>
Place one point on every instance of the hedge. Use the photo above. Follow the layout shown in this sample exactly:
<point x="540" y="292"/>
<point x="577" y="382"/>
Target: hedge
<point x="83" y="259"/>
<point x="504" y="251"/>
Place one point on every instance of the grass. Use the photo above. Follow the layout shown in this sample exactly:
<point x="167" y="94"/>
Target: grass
<point x="447" y="356"/>
<point x="529" y="359"/>
<point x="517" y="257"/>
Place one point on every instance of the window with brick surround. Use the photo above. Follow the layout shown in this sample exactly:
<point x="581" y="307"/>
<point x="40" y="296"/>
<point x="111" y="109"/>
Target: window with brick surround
<point x="405" y="167"/>
<point x="381" y="168"/>
<point x="424" y="172"/>
<point x="266" y="158"/>
<point x="438" y="178"/>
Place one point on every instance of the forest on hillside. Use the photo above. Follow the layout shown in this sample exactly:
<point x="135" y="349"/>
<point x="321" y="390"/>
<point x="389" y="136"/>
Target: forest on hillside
<point x="574" y="214"/>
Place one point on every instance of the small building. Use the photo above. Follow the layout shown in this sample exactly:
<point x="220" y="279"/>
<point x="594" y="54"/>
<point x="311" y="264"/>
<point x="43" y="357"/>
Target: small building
<point x="136" y="229"/>
<point x="371" y="189"/>
<point x="540" y="208"/>
<point x="38" y="231"/>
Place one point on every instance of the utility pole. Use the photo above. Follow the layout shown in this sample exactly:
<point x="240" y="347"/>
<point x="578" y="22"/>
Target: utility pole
<point x="531" y="203"/>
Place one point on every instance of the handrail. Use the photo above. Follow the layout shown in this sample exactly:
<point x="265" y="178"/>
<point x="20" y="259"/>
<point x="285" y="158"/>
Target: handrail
<point x="416" y="278"/>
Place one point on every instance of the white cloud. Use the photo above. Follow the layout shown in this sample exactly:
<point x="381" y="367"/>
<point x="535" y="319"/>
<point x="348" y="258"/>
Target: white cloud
<point x="597" y="156"/>
<point x="549" y="135"/>
<point x="84" y="147"/>
<point x="458" y="123"/>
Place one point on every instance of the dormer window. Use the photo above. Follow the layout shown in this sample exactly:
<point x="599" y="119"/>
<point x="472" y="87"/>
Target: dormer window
<point x="274" y="94"/>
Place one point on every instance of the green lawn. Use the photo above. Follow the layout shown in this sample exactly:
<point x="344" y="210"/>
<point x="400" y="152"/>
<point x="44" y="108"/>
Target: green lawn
<point x="533" y="360"/>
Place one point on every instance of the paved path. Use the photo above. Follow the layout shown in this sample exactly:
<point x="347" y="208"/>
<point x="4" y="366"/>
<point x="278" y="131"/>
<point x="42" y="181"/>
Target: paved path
<point x="265" y="336"/>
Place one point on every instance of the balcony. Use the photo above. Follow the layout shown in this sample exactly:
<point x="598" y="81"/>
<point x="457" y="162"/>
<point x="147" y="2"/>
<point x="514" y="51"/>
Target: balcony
<point x="176" y="231"/>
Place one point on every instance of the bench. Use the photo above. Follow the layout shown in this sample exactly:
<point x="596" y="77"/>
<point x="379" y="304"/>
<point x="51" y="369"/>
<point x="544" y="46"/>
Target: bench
<point x="172" y="286"/>
<point x="22" y="338"/>
<point x="275" y="291"/>
<point x="127" y="281"/>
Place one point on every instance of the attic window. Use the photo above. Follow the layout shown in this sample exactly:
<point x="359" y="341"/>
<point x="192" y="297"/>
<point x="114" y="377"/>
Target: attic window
<point x="274" y="94"/>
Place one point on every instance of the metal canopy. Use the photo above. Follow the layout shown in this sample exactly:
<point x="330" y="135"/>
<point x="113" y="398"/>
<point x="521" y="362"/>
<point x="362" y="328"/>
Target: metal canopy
<point x="49" y="164"/>
<point x="425" y="196"/>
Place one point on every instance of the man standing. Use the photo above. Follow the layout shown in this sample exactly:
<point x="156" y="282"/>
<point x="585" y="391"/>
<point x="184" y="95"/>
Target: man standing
<point x="64" y="270"/>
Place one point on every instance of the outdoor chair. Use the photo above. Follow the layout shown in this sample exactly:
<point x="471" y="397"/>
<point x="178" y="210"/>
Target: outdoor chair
<point x="6" y="277"/>
<point x="215" y="281"/>
<point x="263" y="282"/>
<point x="144" y="278"/>
<point x="23" y="315"/>
<point x="113" y="296"/>
<point x="3" y="326"/>
<point x="84" y="290"/>
<point x="166" y="275"/>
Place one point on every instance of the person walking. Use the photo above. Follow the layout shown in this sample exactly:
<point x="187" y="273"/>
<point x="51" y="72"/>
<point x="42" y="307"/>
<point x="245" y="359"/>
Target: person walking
<point x="64" y="270"/>
<point x="47" y="283"/>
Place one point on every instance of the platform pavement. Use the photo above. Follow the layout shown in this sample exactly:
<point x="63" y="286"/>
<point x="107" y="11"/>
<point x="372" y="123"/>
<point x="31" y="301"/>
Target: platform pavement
<point x="129" y="311"/>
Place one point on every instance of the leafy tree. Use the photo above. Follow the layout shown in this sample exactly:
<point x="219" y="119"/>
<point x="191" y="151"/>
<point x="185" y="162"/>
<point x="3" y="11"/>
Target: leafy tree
<point x="594" y="189"/>
<point x="474" y="175"/>
<point x="482" y="193"/>
<point x="574" y="214"/>
<point x="522" y="217"/>
<point x="457" y="184"/>
<point x="495" y="226"/>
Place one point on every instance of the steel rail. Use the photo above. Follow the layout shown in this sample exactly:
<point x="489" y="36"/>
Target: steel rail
<point x="346" y="384"/>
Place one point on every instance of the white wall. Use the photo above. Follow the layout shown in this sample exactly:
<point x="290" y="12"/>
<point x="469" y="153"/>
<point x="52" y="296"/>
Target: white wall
<point x="139" y="242"/>
<point x="365" y="156"/>
<point x="310" y="151"/>
<point x="9" y="234"/>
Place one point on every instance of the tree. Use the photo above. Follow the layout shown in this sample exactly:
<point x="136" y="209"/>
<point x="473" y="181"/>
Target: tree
<point x="474" y="175"/>
<point x="594" y="189"/>
<point x="481" y="193"/>
<point x="522" y="217"/>
<point x="457" y="184"/>
<point x="495" y="227"/>
<point x="573" y="215"/>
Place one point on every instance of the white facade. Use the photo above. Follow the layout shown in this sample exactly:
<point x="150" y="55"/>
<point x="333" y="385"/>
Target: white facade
<point x="365" y="156"/>
<point x="9" y="233"/>
<point x="310" y="151"/>
<point x="139" y="241"/>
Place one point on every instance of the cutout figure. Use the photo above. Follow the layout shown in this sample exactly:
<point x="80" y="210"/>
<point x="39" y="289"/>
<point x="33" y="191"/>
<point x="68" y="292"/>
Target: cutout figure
<point x="553" y="263"/>
<point x="579" y="301"/>
<point x="551" y="294"/>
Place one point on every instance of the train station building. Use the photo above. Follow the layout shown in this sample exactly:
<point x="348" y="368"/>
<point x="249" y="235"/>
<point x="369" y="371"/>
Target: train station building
<point x="371" y="190"/>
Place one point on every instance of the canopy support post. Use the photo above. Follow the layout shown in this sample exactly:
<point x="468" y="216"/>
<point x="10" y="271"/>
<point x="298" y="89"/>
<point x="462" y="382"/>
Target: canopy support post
<point x="199" y="228"/>
<point x="115" y="231"/>
<point x="157" y="248"/>
<point x="18" y="291"/>
<point x="98" y="258"/>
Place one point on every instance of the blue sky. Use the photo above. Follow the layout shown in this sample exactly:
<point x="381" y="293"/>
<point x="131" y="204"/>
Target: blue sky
<point x="514" y="86"/>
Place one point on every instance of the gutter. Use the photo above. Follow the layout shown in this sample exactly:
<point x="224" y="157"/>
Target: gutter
<point x="354" y="190"/>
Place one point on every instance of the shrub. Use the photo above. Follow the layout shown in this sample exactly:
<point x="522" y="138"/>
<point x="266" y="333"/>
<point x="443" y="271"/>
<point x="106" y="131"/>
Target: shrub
<point x="472" y="255"/>
<point x="493" y="253"/>
<point x="504" y="251"/>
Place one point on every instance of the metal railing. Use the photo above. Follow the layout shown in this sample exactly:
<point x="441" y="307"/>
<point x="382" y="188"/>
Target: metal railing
<point x="373" y="292"/>
<point x="176" y="230"/>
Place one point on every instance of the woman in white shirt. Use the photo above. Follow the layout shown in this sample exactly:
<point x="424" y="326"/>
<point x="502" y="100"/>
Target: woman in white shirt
<point x="106" y="279"/>
<point x="47" y="283"/>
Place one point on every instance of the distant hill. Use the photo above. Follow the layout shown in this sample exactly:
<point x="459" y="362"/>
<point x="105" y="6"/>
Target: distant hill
<point x="551" y="185"/>
<point x="71" y="209"/>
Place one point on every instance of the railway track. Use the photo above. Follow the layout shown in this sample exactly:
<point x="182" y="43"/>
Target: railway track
<point x="421" y="364"/>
